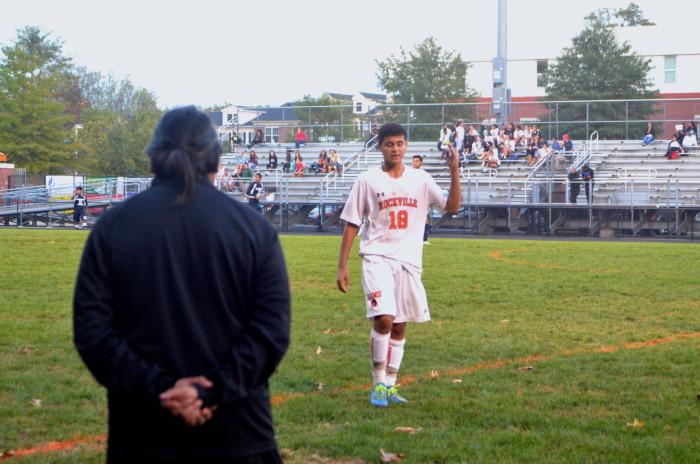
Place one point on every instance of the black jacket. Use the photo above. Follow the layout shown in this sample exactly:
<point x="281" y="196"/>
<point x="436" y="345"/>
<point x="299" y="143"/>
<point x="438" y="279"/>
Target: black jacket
<point x="164" y="293"/>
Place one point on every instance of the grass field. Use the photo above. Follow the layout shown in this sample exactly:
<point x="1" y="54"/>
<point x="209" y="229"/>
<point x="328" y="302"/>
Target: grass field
<point x="538" y="351"/>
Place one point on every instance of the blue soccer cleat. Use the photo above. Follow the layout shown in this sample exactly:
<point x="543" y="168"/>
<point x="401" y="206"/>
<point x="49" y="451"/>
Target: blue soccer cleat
<point x="394" y="397"/>
<point x="378" y="396"/>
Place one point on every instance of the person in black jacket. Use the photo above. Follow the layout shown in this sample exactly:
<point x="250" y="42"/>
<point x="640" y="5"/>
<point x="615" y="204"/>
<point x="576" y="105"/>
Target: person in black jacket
<point x="587" y="176"/>
<point x="255" y="192"/>
<point x="182" y="311"/>
<point x="80" y="205"/>
<point x="574" y="185"/>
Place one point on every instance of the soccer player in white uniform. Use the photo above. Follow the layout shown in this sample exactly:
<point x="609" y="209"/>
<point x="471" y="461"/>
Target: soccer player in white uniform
<point x="387" y="207"/>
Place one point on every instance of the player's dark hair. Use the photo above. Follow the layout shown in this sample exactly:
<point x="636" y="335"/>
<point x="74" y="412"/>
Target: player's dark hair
<point x="389" y="130"/>
<point x="79" y="188"/>
<point x="419" y="157"/>
<point x="184" y="149"/>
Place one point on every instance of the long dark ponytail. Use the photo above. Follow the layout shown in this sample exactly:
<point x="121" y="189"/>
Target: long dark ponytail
<point x="184" y="149"/>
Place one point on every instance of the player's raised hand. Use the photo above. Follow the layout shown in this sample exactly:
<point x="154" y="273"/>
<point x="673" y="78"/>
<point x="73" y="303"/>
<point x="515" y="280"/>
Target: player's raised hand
<point x="453" y="160"/>
<point x="343" y="279"/>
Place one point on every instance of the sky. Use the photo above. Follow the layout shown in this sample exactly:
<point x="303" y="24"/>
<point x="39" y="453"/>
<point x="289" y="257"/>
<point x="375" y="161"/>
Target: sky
<point x="208" y="52"/>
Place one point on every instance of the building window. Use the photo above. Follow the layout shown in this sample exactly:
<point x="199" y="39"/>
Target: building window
<point x="670" y="69"/>
<point x="229" y="117"/>
<point x="271" y="134"/>
<point x="358" y="107"/>
<point x="542" y="67"/>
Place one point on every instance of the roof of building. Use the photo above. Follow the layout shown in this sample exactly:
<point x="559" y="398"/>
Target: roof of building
<point x="285" y="113"/>
<point x="374" y="96"/>
<point x="340" y="96"/>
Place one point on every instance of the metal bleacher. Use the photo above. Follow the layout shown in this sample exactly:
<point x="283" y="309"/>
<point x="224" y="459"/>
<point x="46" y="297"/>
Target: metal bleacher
<point x="631" y="182"/>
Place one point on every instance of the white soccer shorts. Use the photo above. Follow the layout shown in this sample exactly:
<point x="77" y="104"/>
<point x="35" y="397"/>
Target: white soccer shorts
<point x="395" y="289"/>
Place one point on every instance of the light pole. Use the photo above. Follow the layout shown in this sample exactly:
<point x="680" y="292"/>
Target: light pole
<point x="76" y="128"/>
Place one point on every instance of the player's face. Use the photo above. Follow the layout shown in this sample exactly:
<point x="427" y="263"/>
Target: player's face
<point x="416" y="163"/>
<point x="393" y="149"/>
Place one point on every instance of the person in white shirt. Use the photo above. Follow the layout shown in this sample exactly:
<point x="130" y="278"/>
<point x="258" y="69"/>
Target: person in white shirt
<point x="459" y="135"/>
<point x="387" y="206"/>
<point x="444" y="142"/>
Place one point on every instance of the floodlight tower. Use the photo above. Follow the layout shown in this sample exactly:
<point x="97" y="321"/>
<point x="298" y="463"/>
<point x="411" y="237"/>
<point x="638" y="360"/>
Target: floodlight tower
<point x="501" y="92"/>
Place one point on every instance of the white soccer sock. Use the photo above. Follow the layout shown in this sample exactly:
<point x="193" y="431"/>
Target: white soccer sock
<point x="379" y="345"/>
<point x="394" y="358"/>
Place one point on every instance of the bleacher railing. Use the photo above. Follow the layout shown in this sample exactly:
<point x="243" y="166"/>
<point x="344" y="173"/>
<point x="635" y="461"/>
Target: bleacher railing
<point x="351" y="162"/>
<point x="619" y="119"/>
<point x="55" y="199"/>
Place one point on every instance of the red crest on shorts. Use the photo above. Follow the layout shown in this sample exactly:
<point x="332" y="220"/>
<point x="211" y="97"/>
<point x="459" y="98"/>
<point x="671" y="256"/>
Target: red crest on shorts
<point x="373" y="295"/>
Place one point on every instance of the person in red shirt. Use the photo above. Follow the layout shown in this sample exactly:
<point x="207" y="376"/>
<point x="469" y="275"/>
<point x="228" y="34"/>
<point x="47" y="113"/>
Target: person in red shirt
<point x="300" y="138"/>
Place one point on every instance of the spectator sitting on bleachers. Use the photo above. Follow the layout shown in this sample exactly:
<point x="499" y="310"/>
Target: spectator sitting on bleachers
<point x="336" y="165"/>
<point x="287" y="163"/>
<point x="323" y="162"/>
<point x="531" y="154"/>
<point x="272" y="160"/>
<point x="444" y="141"/>
<point x="556" y="146"/>
<point x="690" y="138"/>
<point x="298" y="164"/>
<point x="258" y="139"/>
<point x="502" y="151"/>
<point x="493" y="133"/>
<point x="220" y="177"/>
<point x="464" y="156"/>
<point x="227" y="181"/>
<point x="518" y="136"/>
<point x="544" y="151"/>
<point x="674" y="148"/>
<point x="242" y="175"/>
<point x="567" y="144"/>
<point x="491" y="161"/>
<point x="535" y="134"/>
<point x="649" y="134"/>
<point x="253" y="159"/>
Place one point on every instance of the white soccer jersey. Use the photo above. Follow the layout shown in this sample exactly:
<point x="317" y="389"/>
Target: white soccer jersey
<point x="394" y="212"/>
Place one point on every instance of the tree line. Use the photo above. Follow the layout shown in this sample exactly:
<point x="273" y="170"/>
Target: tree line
<point x="57" y="117"/>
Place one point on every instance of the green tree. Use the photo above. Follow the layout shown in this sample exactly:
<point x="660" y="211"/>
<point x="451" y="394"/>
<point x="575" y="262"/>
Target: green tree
<point x="326" y="120"/>
<point x="426" y="74"/>
<point x="117" y="125"/>
<point x="632" y="16"/>
<point x="597" y="67"/>
<point x="34" y="84"/>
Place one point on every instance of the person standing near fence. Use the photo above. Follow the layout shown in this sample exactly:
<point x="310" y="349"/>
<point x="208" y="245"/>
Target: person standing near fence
<point x="80" y="205"/>
<point x="587" y="175"/>
<point x="574" y="184"/>
<point x="182" y="311"/>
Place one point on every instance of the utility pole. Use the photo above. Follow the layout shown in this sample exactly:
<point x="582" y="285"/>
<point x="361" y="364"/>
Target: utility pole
<point x="501" y="92"/>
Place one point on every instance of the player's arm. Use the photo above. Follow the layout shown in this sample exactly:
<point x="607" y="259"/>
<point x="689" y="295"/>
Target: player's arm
<point x="250" y="191"/>
<point x="343" y="278"/>
<point x="454" y="198"/>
